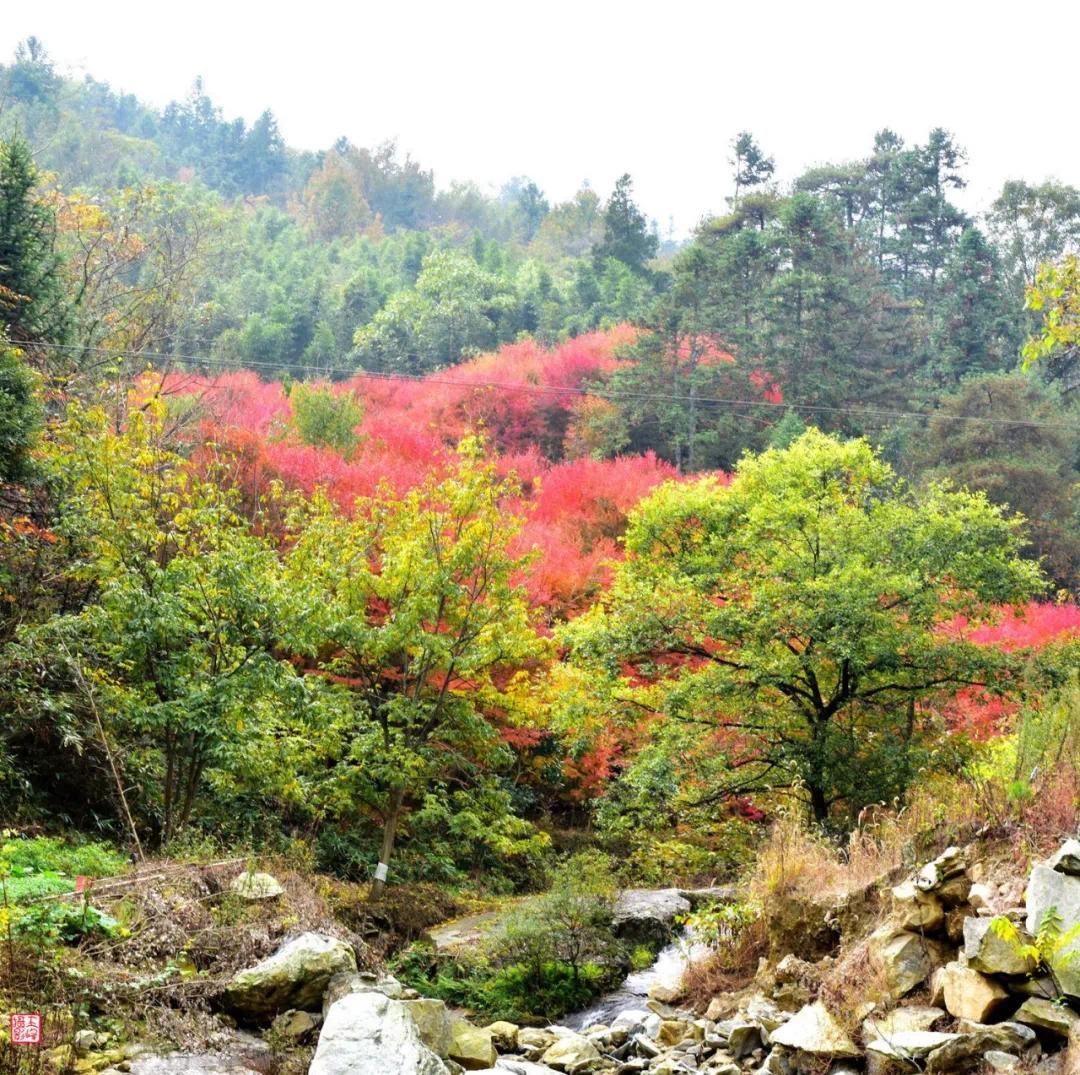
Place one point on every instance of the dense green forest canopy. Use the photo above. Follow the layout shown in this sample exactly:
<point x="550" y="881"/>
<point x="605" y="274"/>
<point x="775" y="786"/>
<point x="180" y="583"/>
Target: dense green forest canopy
<point x="786" y="456"/>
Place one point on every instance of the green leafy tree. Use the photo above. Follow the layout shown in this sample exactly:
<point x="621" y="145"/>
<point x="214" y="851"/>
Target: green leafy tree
<point x="626" y="236"/>
<point x="752" y="167"/>
<point x="796" y="616"/>
<point x="324" y="418"/>
<point x="1055" y="298"/>
<point x="20" y="414"/>
<point x="1033" y="225"/>
<point x="33" y="305"/>
<point x="169" y="668"/>
<point x="1010" y="436"/>
<point x="973" y="331"/>
<point x="412" y="607"/>
<point x="455" y="308"/>
<point x="32" y="78"/>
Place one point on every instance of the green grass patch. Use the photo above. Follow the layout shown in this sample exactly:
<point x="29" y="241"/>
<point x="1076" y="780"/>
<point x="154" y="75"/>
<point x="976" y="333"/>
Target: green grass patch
<point x="37" y="866"/>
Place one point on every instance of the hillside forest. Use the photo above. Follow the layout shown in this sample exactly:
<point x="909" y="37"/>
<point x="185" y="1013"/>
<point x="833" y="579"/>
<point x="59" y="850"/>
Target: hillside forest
<point x="349" y="518"/>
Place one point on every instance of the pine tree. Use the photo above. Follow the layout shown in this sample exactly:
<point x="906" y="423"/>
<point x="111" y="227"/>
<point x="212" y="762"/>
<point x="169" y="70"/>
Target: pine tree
<point x="33" y="306"/>
<point x="627" y="237"/>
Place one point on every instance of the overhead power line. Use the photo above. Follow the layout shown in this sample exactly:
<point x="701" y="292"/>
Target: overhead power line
<point x="601" y="393"/>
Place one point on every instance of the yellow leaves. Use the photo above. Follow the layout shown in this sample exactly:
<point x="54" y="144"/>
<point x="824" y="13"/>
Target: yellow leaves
<point x="1056" y="295"/>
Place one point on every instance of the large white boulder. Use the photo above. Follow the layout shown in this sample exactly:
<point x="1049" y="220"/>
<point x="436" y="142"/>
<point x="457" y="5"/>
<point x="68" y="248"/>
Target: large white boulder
<point x="295" y="976"/>
<point x="369" y="1032"/>
<point x="1048" y="890"/>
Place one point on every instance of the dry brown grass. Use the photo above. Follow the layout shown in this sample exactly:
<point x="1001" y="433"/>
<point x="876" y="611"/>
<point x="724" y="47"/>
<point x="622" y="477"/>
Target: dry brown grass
<point x="798" y="859"/>
<point x="856" y="980"/>
<point x="187" y="918"/>
<point x="727" y="968"/>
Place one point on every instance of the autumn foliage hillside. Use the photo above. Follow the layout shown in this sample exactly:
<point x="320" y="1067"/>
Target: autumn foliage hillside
<point x="533" y="406"/>
<point x="543" y="420"/>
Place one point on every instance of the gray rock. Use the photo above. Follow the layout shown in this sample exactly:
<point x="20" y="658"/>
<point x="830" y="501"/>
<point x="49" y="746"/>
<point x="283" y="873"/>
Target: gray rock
<point x="631" y="1020"/>
<point x="915" y="909"/>
<point x="971" y="995"/>
<point x="814" y="1030"/>
<point x="990" y="953"/>
<point x="515" y="1066"/>
<point x="646" y="1046"/>
<point x="433" y="1022"/>
<point x="743" y="1039"/>
<point x="295" y="976"/>
<point x="192" y="1064"/>
<point x="238" y="1053"/>
<point x="345" y="982"/>
<point x="1046" y="1015"/>
<point x="533" y="1041"/>
<point x="949" y="864"/>
<point x="967" y="1050"/>
<point x="1049" y="889"/>
<point x="371" y="1032"/>
<point x="471" y="1046"/>
<point x="572" y="1054"/>
<point x="85" y="1041"/>
<point x="255" y="887"/>
<point x="1066" y="859"/>
<point x="909" y="1044"/>
<point x="1010" y="1036"/>
<point x="907" y="958"/>
<point x="297" y="1027"/>
<point x="1000" y="1061"/>
<point x="699" y="897"/>
<point x="648" y="915"/>
<point x="916" y="1017"/>
<point x="504" y="1034"/>
<point x="760" y="1009"/>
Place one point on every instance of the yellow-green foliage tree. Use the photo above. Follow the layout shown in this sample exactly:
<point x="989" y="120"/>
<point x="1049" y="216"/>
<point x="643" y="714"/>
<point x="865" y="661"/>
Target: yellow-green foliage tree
<point x="1056" y="296"/>
<point x="413" y="610"/>
<point x="168" y="662"/>
<point x="796" y="617"/>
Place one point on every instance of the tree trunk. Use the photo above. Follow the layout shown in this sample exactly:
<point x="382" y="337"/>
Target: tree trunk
<point x="819" y="804"/>
<point x="393" y="815"/>
<point x="691" y="418"/>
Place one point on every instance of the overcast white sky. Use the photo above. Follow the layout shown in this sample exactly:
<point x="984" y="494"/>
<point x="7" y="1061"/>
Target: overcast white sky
<point x="567" y="90"/>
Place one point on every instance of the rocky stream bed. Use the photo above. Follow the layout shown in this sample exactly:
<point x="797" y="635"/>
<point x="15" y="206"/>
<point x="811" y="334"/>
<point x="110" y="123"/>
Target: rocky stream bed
<point x="963" y="993"/>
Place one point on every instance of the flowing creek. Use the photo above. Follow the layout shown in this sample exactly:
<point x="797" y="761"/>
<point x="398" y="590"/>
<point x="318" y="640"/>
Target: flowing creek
<point x="667" y="970"/>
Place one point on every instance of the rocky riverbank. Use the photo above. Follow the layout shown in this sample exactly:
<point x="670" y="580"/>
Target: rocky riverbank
<point x="961" y="972"/>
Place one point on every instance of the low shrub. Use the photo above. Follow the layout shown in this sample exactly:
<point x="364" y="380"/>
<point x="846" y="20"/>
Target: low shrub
<point x="554" y="953"/>
<point x="736" y="937"/>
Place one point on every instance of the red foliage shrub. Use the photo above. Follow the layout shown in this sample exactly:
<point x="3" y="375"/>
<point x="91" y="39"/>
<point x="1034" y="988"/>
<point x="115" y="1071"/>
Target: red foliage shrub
<point x="523" y="398"/>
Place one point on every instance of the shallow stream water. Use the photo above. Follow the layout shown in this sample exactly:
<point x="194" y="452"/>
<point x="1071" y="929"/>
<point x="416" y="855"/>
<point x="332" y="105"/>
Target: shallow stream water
<point x="667" y="970"/>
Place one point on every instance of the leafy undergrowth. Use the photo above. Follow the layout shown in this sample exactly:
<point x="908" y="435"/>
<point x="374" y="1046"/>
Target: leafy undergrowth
<point x="140" y="957"/>
<point x="541" y="958"/>
<point x="517" y="991"/>
<point x="42" y="865"/>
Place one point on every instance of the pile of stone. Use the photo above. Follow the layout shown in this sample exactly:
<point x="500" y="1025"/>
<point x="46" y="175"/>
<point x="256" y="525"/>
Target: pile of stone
<point x="962" y="992"/>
